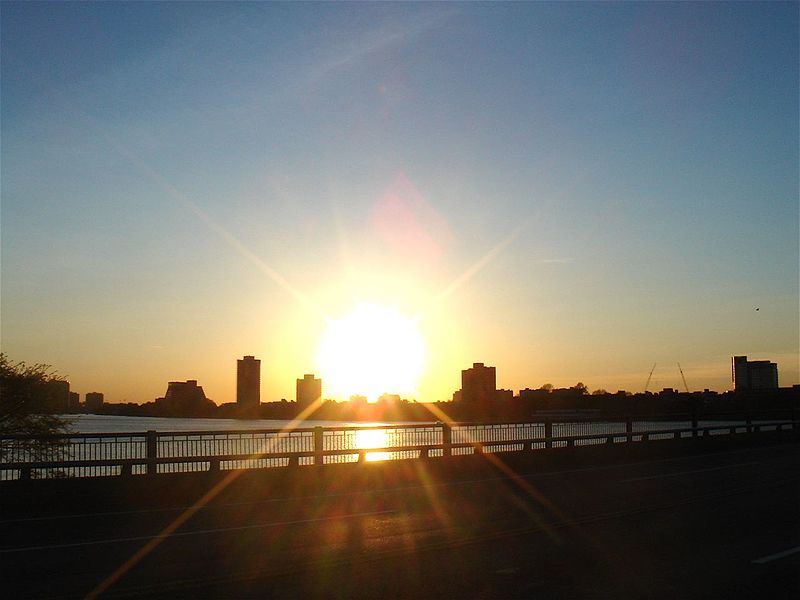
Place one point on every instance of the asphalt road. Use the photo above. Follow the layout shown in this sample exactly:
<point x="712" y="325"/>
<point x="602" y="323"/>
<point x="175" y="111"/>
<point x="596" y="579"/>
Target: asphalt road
<point x="706" y="522"/>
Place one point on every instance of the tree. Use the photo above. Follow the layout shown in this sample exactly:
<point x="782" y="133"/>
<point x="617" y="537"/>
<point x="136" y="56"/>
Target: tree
<point x="599" y="392"/>
<point x="581" y="387"/>
<point x="25" y="395"/>
<point x="548" y="387"/>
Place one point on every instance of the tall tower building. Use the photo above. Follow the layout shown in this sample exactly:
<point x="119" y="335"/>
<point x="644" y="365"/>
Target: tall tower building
<point x="248" y="381"/>
<point x="309" y="390"/>
<point x="754" y="374"/>
<point x="57" y="395"/>
<point x="479" y="383"/>
<point x="94" y="400"/>
<point x="739" y="373"/>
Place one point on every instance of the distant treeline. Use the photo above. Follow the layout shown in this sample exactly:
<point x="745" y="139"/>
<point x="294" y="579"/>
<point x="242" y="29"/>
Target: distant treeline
<point x="530" y="404"/>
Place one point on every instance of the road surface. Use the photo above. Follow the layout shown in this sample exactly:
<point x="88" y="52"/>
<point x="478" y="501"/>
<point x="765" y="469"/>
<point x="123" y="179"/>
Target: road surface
<point x="712" y="520"/>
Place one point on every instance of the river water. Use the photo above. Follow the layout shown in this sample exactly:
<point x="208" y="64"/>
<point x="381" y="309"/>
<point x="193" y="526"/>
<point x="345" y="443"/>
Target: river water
<point x="118" y="424"/>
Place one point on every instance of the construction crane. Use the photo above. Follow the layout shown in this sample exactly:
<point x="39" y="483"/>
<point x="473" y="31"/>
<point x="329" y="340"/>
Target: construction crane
<point x="684" y="378"/>
<point x="648" y="377"/>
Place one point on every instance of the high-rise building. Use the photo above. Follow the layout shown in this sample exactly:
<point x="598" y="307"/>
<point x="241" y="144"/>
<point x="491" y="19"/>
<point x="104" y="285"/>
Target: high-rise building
<point x="753" y="374"/>
<point x="94" y="400"/>
<point x="309" y="390"/>
<point x="248" y="381"/>
<point x="56" y="396"/>
<point x="478" y="384"/>
<point x="739" y="373"/>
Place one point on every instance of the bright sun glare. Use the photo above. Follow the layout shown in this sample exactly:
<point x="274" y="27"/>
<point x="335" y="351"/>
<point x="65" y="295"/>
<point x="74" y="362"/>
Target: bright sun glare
<point x="371" y="351"/>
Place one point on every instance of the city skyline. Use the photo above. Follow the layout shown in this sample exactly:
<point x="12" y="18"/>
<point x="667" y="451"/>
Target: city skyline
<point x="570" y="192"/>
<point x="479" y="381"/>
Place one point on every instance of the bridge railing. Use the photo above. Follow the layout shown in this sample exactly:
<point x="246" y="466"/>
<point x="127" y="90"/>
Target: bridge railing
<point x="151" y="452"/>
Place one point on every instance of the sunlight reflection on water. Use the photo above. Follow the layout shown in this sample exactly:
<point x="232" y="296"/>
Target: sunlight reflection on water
<point x="372" y="438"/>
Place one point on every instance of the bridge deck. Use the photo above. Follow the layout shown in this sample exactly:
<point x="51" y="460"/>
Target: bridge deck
<point x="697" y="519"/>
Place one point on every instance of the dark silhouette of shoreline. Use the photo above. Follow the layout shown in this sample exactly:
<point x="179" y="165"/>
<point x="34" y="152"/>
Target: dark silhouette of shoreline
<point x="539" y="404"/>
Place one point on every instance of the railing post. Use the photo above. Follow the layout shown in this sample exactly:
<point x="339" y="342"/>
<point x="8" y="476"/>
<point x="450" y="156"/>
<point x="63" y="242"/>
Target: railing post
<point x="629" y="429"/>
<point x="548" y="434"/>
<point x="749" y="423"/>
<point x="695" y="423"/>
<point x="152" y="452"/>
<point x="447" y="440"/>
<point x="213" y="465"/>
<point x="319" y="441"/>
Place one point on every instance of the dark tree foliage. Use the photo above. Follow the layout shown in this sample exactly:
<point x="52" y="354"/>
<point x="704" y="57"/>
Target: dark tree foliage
<point x="24" y="395"/>
<point x="581" y="388"/>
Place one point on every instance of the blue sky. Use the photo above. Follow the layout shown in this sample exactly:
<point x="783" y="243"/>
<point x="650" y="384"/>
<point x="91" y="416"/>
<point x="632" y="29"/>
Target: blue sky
<point x="600" y="186"/>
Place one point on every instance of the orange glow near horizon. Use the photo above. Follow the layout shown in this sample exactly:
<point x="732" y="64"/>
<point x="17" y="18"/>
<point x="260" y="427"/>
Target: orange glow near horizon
<point x="371" y="351"/>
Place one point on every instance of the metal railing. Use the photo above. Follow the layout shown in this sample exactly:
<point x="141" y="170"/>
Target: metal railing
<point x="151" y="452"/>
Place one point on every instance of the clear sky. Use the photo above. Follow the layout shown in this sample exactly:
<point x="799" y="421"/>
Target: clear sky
<point x="568" y="192"/>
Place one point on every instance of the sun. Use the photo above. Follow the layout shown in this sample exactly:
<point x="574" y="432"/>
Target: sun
<point x="371" y="351"/>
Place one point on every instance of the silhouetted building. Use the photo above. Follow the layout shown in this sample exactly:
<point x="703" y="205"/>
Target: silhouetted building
<point x="74" y="400"/>
<point x="309" y="390"/>
<point x="184" y="391"/>
<point x="753" y="374"/>
<point x="532" y="395"/>
<point x="184" y="398"/>
<point x="56" y="395"/>
<point x="504" y="395"/>
<point x="248" y="381"/>
<point x="478" y="384"/>
<point x="94" y="400"/>
<point x="739" y="373"/>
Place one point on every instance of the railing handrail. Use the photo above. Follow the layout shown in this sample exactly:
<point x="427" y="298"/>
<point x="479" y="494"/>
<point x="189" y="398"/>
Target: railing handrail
<point x="377" y="449"/>
<point x="318" y="451"/>
<point x="288" y="432"/>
